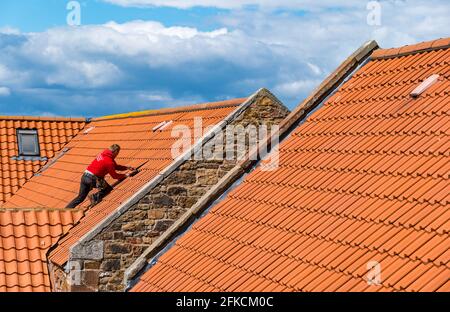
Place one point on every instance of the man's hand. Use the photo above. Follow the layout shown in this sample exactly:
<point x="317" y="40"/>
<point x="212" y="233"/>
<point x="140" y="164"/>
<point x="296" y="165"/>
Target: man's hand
<point x="131" y="168"/>
<point x="132" y="173"/>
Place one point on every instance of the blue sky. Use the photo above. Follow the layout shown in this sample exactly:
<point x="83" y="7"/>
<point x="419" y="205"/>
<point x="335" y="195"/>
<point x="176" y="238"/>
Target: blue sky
<point x="143" y="54"/>
<point x="32" y="15"/>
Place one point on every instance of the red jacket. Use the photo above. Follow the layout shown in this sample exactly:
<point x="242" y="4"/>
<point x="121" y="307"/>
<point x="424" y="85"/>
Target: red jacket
<point x="104" y="163"/>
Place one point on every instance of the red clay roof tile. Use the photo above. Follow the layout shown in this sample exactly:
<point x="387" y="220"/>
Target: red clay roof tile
<point x="25" y="237"/>
<point x="364" y="178"/>
<point x="14" y="172"/>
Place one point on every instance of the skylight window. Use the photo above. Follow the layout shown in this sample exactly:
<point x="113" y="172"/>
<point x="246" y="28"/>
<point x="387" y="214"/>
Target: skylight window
<point x="28" y="142"/>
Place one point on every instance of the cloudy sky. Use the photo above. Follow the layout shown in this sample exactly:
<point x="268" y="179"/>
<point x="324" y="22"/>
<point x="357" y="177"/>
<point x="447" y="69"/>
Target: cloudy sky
<point x="131" y="55"/>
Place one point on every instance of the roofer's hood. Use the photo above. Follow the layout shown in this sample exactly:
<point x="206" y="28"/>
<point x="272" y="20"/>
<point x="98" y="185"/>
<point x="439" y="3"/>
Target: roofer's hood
<point x="108" y="153"/>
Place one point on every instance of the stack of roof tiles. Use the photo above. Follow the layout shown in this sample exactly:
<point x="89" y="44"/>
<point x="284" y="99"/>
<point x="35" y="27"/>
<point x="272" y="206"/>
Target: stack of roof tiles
<point x="53" y="134"/>
<point x="363" y="184"/>
<point x="141" y="144"/>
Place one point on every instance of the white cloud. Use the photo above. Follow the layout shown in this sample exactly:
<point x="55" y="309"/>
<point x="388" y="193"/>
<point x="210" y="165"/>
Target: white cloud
<point x="4" y="91"/>
<point x="92" y="56"/>
<point x="147" y="41"/>
<point x="88" y="74"/>
<point x="147" y="97"/>
<point x="150" y="29"/>
<point x="314" y="68"/>
<point x="9" y="30"/>
<point x="294" y="88"/>
<point x="4" y="72"/>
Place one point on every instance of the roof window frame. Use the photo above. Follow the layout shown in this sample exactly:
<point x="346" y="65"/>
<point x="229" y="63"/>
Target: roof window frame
<point x="23" y="131"/>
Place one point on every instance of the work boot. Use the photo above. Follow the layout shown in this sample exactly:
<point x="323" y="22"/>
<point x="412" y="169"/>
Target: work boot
<point x="93" y="199"/>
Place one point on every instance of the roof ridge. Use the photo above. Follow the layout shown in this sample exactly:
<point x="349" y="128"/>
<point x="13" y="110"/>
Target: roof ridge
<point x="171" y="110"/>
<point x="442" y="43"/>
<point x="43" y="118"/>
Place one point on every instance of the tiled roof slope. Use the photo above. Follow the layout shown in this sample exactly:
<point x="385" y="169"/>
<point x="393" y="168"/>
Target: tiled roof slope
<point x="364" y="178"/>
<point x="53" y="134"/>
<point x="57" y="185"/>
<point x="25" y="237"/>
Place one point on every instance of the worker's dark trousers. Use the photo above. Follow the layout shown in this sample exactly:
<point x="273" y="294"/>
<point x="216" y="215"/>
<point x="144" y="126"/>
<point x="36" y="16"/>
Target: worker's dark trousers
<point x="88" y="182"/>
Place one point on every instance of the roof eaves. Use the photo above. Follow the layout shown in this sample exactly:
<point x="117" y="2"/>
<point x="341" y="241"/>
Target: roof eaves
<point x="330" y="84"/>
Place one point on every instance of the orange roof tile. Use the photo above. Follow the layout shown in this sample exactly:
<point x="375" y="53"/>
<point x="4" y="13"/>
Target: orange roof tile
<point x="53" y="132"/>
<point x="25" y="238"/>
<point x="364" y="178"/>
<point x="59" y="183"/>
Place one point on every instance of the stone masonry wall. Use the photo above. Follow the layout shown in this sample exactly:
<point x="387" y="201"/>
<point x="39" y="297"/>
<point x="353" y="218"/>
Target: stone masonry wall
<point x="129" y="235"/>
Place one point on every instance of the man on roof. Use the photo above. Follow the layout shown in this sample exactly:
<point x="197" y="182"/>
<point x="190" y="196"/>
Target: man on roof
<point x="94" y="176"/>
